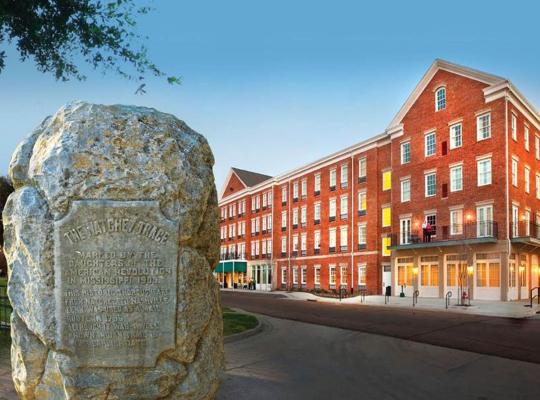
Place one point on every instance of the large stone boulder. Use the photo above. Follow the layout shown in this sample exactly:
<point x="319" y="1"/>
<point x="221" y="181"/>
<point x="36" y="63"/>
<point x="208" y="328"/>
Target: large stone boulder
<point x="111" y="237"/>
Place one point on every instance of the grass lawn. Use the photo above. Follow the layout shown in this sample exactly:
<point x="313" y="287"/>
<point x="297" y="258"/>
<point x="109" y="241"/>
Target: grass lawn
<point x="3" y="281"/>
<point x="234" y="322"/>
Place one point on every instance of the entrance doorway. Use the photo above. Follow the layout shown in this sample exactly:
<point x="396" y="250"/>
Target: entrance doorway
<point x="386" y="277"/>
<point x="457" y="280"/>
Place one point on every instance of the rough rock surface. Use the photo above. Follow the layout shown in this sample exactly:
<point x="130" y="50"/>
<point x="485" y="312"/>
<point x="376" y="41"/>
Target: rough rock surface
<point x="90" y="152"/>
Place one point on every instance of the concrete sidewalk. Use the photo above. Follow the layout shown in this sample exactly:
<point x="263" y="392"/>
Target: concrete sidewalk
<point x="509" y="309"/>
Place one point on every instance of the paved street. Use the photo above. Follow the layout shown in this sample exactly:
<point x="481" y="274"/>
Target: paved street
<point x="517" y="339"/>
<point x="293" y="360"/>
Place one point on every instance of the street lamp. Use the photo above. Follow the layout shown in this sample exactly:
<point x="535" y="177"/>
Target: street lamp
<point x="415" y="273"/>
<point x="470" y="272"/>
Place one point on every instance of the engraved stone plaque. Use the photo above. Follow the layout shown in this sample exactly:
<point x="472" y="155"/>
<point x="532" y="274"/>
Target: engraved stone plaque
<point x="115" y="282"/>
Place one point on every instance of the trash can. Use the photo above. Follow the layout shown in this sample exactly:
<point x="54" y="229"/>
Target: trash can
<point x="388" y="291"/>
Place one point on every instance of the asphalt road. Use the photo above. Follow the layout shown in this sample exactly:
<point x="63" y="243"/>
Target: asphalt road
<point x="297" y="361"/>
<point x="517" y="339"/>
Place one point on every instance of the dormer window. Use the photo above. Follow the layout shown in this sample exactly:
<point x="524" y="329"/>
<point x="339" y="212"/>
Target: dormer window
<point x="440" y="99"/>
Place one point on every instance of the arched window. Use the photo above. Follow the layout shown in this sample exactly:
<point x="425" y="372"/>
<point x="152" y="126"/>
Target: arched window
<point x="440" y="99"/>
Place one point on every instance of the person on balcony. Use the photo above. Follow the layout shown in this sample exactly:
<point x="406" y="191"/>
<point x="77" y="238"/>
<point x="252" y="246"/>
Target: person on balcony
<point x="429" y="231"/>
<point x="424" y="230"/>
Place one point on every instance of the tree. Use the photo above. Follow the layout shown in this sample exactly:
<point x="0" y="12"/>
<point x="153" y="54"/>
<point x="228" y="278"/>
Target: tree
<point x="5" y="190"/>
<point x="57" y="33"/>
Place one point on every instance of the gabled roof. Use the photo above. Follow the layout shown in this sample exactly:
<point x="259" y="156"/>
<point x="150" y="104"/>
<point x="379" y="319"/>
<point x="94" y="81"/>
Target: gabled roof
<point x="250" y="178"/>
<point x="438" y="65"/>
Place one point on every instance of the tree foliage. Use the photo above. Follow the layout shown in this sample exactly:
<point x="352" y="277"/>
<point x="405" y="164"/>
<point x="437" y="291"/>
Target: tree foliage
<point x="57" y="34"/>
<point x="5" y="190"/>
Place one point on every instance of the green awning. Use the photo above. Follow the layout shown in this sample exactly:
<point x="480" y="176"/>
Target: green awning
<point x="227" y="266"/>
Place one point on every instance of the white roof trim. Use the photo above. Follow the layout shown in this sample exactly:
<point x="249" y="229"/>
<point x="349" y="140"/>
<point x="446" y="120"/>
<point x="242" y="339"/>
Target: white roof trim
<point x="226" y="183"/>
<point x="433" y="69"/>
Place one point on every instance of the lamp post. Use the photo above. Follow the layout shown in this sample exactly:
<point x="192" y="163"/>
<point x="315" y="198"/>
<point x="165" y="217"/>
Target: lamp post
<point x="415" y="274"/>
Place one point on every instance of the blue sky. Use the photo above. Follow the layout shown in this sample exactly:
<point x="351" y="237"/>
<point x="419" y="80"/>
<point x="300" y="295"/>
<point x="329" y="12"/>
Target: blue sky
<point x="274" y="85"/>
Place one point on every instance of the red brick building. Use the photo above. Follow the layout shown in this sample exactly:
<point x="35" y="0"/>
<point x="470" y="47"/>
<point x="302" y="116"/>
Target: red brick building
<point x="461" y="158"/>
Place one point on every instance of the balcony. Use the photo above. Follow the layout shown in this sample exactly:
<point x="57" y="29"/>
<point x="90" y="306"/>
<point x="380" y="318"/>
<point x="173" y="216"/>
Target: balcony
<point x="343" y="216"/>
<point x="283" y="203"/>
<point x="295" y="253"/>
<point x="456" y="235"/>
<point x="331" y="250"/>
<point x="317" y="251"/>
<point x="343" y="249"/>
<point x="525" y="232"/>
<point x="283" y="254"/>
<point x="344" y="185"/>
<point x="361" y="246"/>
<point x="317" y="192"/>
<point x="333" y="188"/>
<point x="283" y="228"/>
<point x="362" y="179"/>
<point x="295" y="226"/>
<point x="361" y="213"/>
<point x="332" y="219"/>
<point x="304" y="253"/>
<point x="317" y="222"/>
<point x="295" y="199"/>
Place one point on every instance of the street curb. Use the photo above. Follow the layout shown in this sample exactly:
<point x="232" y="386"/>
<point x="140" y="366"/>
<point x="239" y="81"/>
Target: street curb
<point x="244" y="335"/>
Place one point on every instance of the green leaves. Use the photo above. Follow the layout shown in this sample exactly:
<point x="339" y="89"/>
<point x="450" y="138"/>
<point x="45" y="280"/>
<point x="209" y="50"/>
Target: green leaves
<point x="58" y="33"/>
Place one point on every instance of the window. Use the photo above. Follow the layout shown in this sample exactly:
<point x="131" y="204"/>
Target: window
<point x="283" y="245"/>
<point x="537" y="147"/>
<point x="514" y="127"/>
<point x="405" y="231"/>
<point x="344" y="175"/>
<point x="429" y="274"/>
<point x="303" y="243"/>
<point x="333" y="178"/>
<point x="362" y="167"/>
<point x="332" y="238"/>
<point x="386" y="241"/>
<point x="295" y="276"/>
<point x="283" y="275"/>
<point x="537" y="182"/>
<point x="361" y="274"/>
<point x="263" y="251"/>
<point x="430" y="184"/>
<point x="515" y="221"/>
<point x="317" y="183"/>
<point x="405" y="190"/>
<point x="440" y="99"/>
<point x="304" y="188"/>
<point x="362" y="229"/>
<point x="343" y="275"/>
<point x="317" y="274"/>
<point x="387" y="180"/>
<point x="317" y="240"/>
<point x="487" y="274"/>
<point x="332" y="274"/>
<point x="283" y="219"/>
<point x="284" y="194"/>
<point x="432" y="220"/>
<point x="304" y="275"/>
<point x="270" y="196"/>
<point x="514" y="172"/>
<point x="295" y="217"/>
<point x="526" y="137"/>
<point x="483" y="127"/>
<point x="484" y="221"/>
<point x="386" y="217"/>
<point x="405" y="152"/>
<point x="343" y="238"/>
<point x="264" y="200"/>
<point x="362" y="201"/>
<point x="456" y="178"/>
<point x="484" y="171"/>
<point x="295" y="191"/>
<point x="295" y="243"/>
<point x="527" y="177"/>
<point x="527" y="222"/>
<point x="430" y="144"/>
<point x="317" y="212"/>
<point x="332" y="208"/>
<point x="303" y="215"/>
<point x="343" y="210"/>
<point x="456" y="139"/>
<point x="456" y="222"/>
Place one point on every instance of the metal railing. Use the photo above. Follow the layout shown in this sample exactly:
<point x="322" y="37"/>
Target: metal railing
<point x="473" y="230"/>
<point x="537" y="295"/>
<point x="447" y="298"/>
<point x="524" y="229"/>
<point x="5" y="308"/>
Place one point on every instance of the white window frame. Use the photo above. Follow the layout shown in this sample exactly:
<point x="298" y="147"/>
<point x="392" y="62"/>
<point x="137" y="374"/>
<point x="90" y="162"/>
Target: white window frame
<point x="362" y="167"/>
<point x="454" y="187"/>
<point x="456" y="221"/>
<point x="404" y="231"/>
<point x="362" y="233"/>
<point x="344" y="205"/>
<point x="527" y="177"/>
<point x="403" y="153"/>
<point x="362" y="273"/>
<point x="316" y="274"/>
<point x="317" y="186"/>
<point x="405" y="193"/>
<point x="440" y="103"/>
<point x="481" y="129"/>
<point x="426" y="146"/>
<point x="453" y="136"/>
<point x="426" y="175"/>
<point x="332" y="206"/>
<point x="515" y="169"/>
<point x="513" y="127"/>
<point x="344" y="175"/>
<point x="304" y="188"/>
<point x="332" y="177"/>
<point x="481" y="173"/>
<point x="526" y="137"/>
